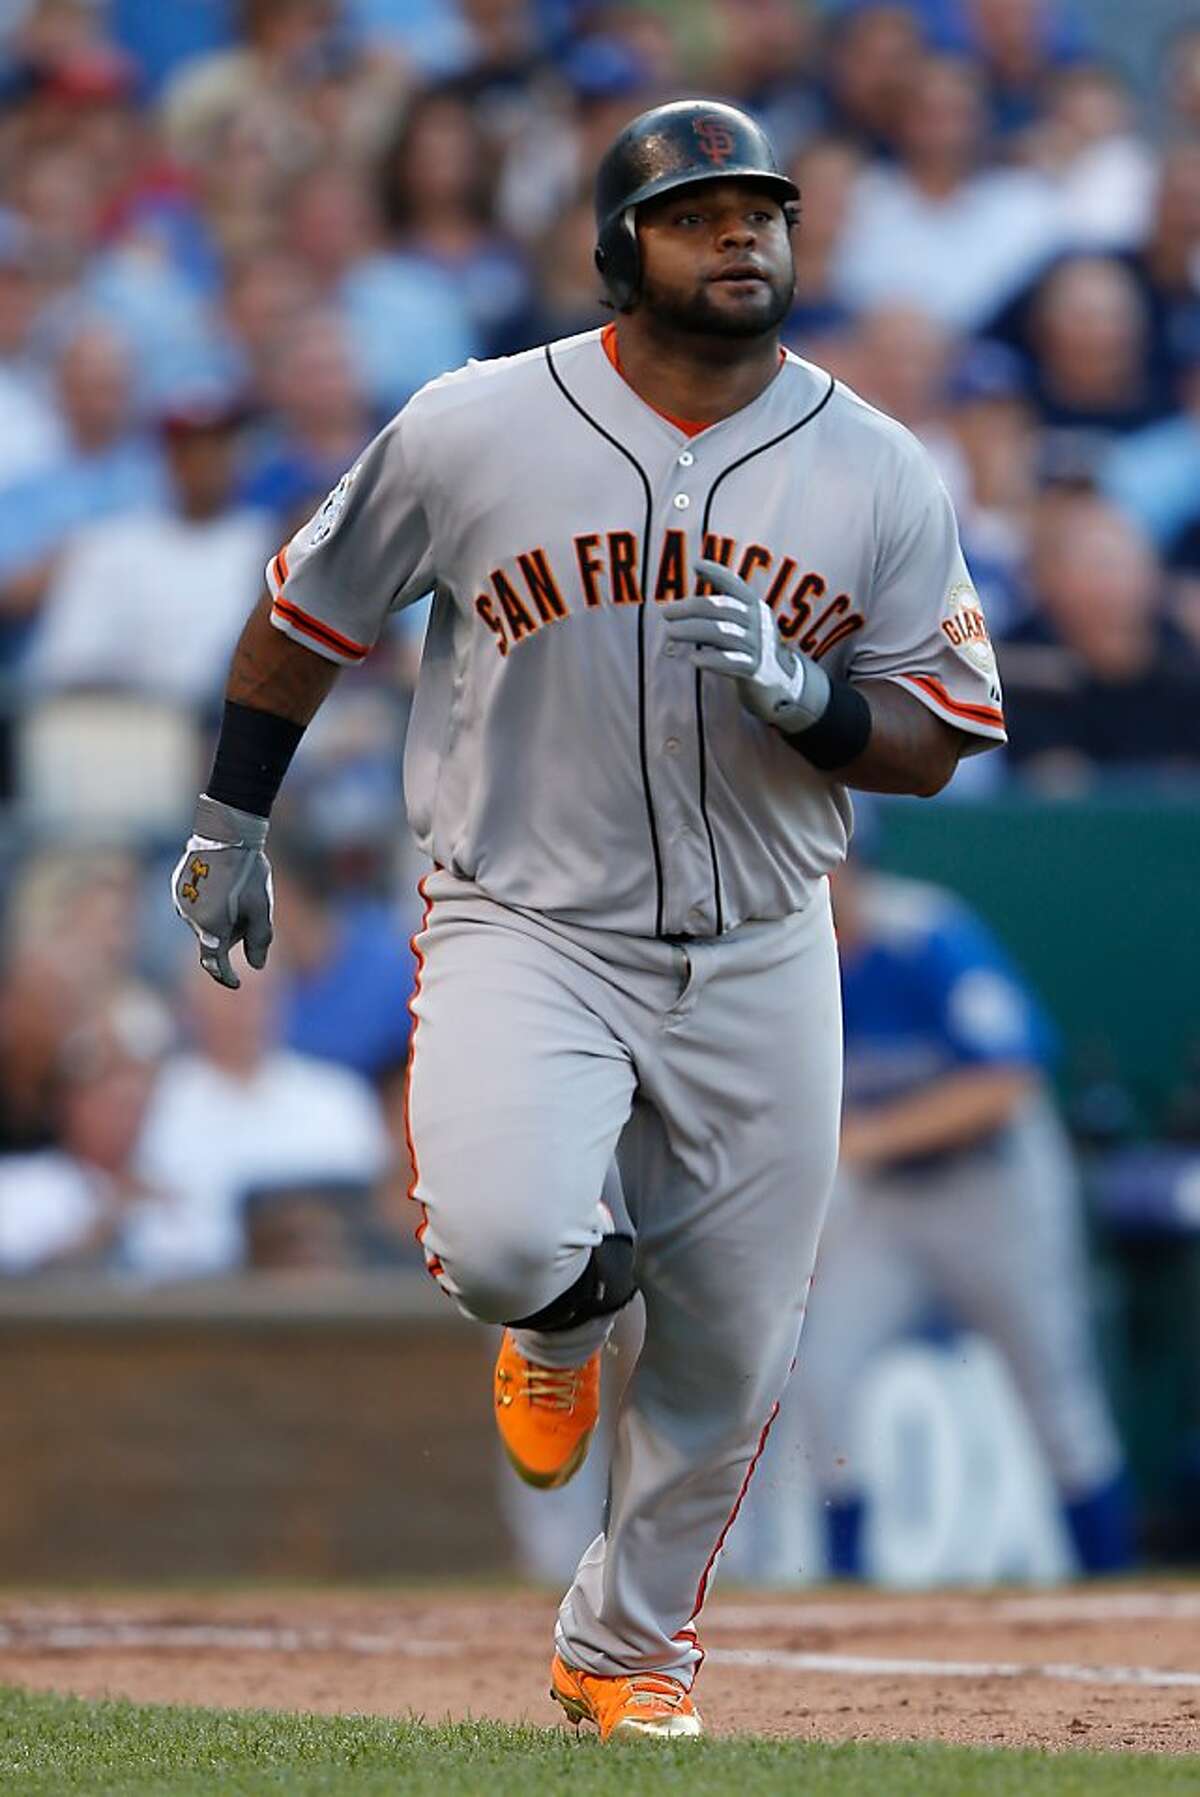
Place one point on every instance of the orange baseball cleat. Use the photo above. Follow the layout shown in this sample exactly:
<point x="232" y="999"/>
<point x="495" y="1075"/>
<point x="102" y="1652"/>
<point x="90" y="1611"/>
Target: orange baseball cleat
<point x="545" y="1414"/>
<point x="638" y="1703"/>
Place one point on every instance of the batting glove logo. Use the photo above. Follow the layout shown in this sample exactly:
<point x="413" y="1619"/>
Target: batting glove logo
<point x="190" y="888"/>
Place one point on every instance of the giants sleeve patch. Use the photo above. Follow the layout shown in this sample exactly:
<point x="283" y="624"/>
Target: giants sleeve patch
<point x="327" y="516"/>
<point x="965" y="629"/>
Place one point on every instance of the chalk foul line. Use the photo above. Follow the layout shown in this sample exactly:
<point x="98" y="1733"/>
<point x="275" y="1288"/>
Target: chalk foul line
<point x="875" y="1666"/>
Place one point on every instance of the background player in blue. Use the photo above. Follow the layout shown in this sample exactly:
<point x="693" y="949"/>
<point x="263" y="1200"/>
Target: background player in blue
<point x="957" y="1189"/>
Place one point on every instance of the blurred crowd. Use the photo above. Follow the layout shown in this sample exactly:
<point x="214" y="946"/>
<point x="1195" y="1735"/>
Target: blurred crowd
<point x="235" y="236"/>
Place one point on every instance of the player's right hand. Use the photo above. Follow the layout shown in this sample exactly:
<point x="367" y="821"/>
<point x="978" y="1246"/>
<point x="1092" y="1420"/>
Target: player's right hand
<point x="221" y="887"/>
<point x="731" y="631"/>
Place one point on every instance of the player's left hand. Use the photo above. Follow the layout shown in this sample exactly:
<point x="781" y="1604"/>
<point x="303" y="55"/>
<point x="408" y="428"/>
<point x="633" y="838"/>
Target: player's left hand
<point x="732" y="632"/>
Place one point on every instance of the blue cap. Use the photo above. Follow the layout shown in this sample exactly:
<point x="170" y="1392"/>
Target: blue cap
<point x="605" y="68"/>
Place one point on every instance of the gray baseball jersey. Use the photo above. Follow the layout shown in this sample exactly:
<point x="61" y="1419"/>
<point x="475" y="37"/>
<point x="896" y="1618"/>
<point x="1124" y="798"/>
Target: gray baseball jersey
<point x="628" y="958"/>
<point x="562" y="753"/>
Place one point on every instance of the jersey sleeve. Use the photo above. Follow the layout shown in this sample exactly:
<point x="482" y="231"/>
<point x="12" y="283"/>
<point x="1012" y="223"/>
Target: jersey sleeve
<point x="365" y="552"/>
<point x="925" y="626"/>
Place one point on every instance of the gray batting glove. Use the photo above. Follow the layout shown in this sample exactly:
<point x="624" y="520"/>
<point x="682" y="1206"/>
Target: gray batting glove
<point x="732" y="632"/>
<point x="222" y="887"/>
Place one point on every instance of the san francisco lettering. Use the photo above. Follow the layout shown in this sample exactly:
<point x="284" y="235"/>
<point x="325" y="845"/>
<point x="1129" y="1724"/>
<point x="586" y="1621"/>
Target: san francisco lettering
<point x="527" y="593"/>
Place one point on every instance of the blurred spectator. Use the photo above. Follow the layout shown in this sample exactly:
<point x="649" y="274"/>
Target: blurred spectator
<point x="1162" y="268"/>
<point x="82" y="1205"/>
<point x="957" y="1193"/>
<point x="88" y="98"/>
<point x="59" y="194"/>
<point x="330" y="222"/>
<point x="241" y="181"/>
<point x="870" y="59"/>
<point x="317" y="419"/>
<point x="937" y="231"/>
<point x="266" y="293"/>
<point x="566" y="296"/>
<point x="278" y="37"/>
<point x="153" y="601"/>
<point x="104" y="467"/>
<point x="1019" y="45"/>
<point x="436" y="182"/>
<point x="1085" y="141"/>
<point x="825" y="171"/>
<point x="1099" y="677"/>
<point x="899" y="356"/>
<point x="1089" y="343"/>
<point x="164" y="313"/>
<point x="406" y="322"/>
<point x="552" y="147"/>
<point x="236" y="1115"/>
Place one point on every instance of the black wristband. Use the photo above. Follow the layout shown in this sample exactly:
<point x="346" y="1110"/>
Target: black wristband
<point x="840" y="734"/>
<point x="254" y="750"/>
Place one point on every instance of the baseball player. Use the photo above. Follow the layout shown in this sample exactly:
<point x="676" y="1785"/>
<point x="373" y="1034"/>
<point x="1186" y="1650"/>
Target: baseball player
<point x="957" y="1188"/>
<point x="687" y="590"/>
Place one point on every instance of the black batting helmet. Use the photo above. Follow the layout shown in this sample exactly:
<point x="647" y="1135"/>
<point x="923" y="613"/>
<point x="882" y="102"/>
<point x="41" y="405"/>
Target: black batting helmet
<point x="673" y="146"/>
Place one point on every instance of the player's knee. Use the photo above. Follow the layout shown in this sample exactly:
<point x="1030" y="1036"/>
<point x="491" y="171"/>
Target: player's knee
<point x="539" y="1283"/>
<point x="507" y="1268"/>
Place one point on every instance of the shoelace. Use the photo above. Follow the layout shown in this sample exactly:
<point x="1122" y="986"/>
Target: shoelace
<point x="651" y="1689"/>
<point x="555" y="1388"/>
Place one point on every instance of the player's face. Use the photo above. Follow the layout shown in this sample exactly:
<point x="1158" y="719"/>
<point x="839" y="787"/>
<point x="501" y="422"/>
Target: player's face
<point x="716" y="260"/>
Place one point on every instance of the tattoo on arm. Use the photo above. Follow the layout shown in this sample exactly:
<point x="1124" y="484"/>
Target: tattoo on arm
<point x="910" y="750"/>
<point x="272" y="673"/>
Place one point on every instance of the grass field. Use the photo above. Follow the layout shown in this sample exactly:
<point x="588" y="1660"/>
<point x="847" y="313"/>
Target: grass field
<point x="55" y="1746"/>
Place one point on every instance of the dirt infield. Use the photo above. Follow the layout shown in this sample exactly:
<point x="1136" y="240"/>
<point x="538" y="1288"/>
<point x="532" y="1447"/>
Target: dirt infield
<point x="1099" y="1668"/>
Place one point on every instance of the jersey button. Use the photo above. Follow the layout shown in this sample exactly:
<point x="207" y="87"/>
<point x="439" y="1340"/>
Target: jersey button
<point x="686" y="459"/>
<point x="681" y="502"/>
<point x="672" y="745"/>
<point x="669" y="649"/>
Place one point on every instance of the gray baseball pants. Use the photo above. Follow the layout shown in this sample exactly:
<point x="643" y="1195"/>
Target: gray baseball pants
<point x="709" y="1073"/>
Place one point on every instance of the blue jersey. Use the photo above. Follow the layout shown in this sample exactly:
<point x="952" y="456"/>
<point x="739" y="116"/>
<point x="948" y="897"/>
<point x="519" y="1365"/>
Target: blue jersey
<point x="928" y="990"/>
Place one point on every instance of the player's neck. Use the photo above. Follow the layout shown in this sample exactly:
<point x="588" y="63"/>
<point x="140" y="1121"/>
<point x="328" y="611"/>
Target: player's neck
<point x="702" y="378"/>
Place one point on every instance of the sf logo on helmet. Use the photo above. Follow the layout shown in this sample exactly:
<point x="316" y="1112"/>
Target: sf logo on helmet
<point x="715" y="138"/>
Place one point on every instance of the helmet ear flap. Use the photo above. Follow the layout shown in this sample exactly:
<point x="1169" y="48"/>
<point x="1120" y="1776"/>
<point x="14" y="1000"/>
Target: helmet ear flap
<point x="619" y="263"/>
